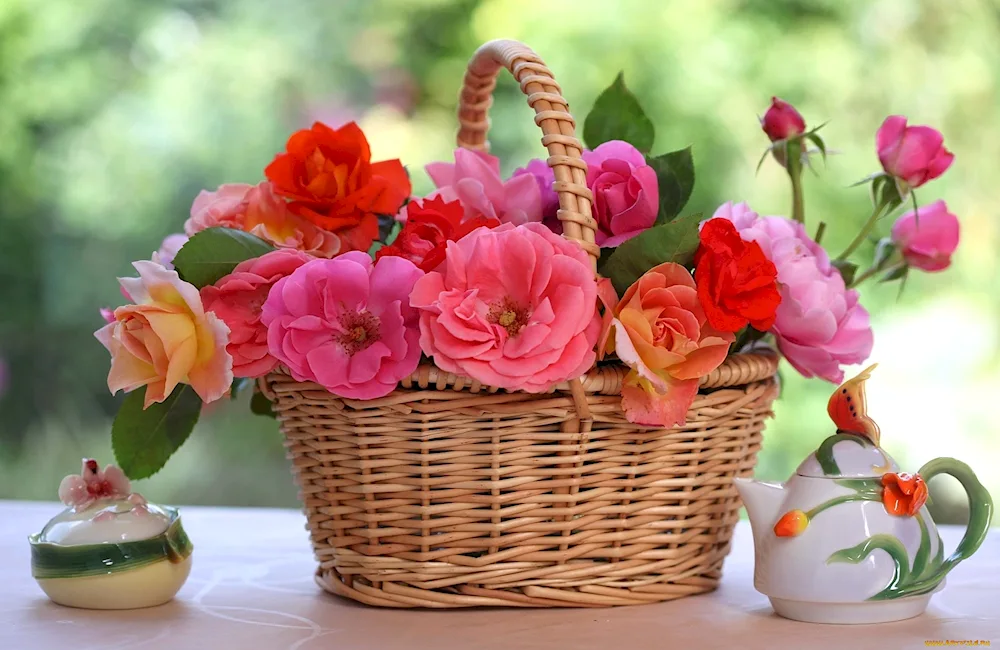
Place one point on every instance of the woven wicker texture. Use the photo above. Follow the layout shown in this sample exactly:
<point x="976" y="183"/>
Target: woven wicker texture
<point x="448" y="493"/>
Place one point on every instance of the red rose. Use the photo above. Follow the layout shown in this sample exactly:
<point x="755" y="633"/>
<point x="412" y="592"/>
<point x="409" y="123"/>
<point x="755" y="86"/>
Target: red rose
<point x="428" y="229"/>
<point x="331" y="181"/>
<point x="737" y="284"/>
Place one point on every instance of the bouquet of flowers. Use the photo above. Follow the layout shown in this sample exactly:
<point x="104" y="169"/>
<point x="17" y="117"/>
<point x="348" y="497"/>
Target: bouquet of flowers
<point x="331" y="269"/>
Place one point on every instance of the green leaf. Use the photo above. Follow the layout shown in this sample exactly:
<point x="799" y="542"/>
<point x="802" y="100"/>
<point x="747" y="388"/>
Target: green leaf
<point x="676" y="242"/>
<point x="847" y="270"/>
<point x="896" y="273"/>
<point x="616" y="115"/>
<point x="675" y="178"/>
<point x="143" y="440"/>
<point x="214" y="253"/>
<point x="818" y="141"/>
<point x="260" y="405"/>
<point x="884" y="251"/>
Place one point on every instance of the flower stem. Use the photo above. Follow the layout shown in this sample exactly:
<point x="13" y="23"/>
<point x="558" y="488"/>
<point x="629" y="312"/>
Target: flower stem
<point x="865" y="229"/>
<point x="793" y="162"/>
<point x="872" y="271"/>
<point x="819" y="232"/>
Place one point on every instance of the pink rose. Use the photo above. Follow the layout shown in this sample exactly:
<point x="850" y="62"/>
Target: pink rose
<point x="512" y="307"/>
<point x="782" y="121"/>
<point x="238" y="298"/>
<point x="474" y="179"/>
<point x="258" y="210"/>
<point x="168" y="249"/>
<point x="913" y="154"/>
<point x="166" y="338"/>
<point x="927" y="240"/>
<point x="819" y="324"/>
<point x="544" y="177"/>
<point x="224" y="208"/>
<point x="346" y="324"/>
<point x="626" y="193"/>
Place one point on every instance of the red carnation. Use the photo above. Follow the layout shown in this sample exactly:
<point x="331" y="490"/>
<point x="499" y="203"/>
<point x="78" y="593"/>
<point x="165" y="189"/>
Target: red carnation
<point x="428" y="229"/>
<point x="737" y="284"/>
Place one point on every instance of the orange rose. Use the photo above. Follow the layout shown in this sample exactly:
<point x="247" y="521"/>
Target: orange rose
<point x="661" y="332"/>
<point x="331" y="181"/>
<point x="903" y="494"/>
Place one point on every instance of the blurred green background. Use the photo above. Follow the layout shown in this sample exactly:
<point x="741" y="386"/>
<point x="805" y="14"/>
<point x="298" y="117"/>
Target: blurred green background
<point x="115" y="113"/>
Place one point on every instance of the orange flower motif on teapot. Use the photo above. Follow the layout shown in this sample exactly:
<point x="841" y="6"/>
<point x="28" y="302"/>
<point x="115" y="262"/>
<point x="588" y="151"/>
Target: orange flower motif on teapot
<point x="791" y="524"/>
<point x="903" y="494"/>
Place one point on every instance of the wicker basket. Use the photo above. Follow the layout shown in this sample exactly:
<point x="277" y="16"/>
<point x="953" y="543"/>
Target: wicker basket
<point x="447" y="493"/>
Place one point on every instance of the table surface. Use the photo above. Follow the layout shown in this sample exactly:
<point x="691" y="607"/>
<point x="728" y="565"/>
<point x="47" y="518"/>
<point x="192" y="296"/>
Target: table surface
<point x="251" y="588"/>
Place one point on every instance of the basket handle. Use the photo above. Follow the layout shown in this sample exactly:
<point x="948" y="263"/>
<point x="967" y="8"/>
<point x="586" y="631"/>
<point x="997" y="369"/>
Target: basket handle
<point x="551" y="114"/>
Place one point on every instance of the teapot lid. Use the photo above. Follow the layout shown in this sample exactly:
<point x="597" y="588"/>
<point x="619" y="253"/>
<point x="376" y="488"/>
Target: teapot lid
<point x="854" y="450"/>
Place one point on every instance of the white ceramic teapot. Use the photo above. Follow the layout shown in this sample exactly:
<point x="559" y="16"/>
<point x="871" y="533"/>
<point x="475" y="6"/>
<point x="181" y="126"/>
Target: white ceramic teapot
<point x="848" y="539"/>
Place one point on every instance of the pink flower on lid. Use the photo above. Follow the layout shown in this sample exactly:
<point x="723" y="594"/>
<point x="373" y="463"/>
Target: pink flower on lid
<point x="819" y="325"/>
<point x="512" y="307"/>
<point x="626" y="192"/>
<point x="913" y="154"/>
<point x="346" y="323"/>
<point x="474" y="179"/>
<point x="782" y="121"/>
<point x="238" y="299"/>
<point x="81" y="490"/>
<point x="927" y="238"/>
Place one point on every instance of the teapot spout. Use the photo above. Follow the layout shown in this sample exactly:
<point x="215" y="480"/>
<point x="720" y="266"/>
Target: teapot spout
<point x="762" y="500"/>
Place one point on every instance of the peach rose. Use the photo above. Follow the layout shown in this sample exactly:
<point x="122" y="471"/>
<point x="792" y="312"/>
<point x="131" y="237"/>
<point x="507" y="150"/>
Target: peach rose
<point x="258" y="210"/>
<point x="661" y="332"/>
<point x="166" y="338"/>
<point x="223" y="208"/>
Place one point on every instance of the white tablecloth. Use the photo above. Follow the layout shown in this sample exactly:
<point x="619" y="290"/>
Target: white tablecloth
<point x="251" y="588"/>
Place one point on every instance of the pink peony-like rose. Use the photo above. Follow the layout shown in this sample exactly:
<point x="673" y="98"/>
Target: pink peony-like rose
<point x="346" y="323"/>
<point x="928" y="238"/>
<point x="168" y="249"/>
<point x="257" y="209"/>
<point x="238" y="299"/>
<point x="166" y="338"/>
<point x="544" y="177"/>
<point x="782" y="121"/>
<point x="913" y="154"/>
<point x="819" y="325"/>
<point x="474" y="179"/>
<point x="512" y="307"/>
<point x="626" y="192"/>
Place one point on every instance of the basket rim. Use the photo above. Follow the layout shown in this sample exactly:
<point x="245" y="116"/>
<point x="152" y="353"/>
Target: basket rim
<point x="738" y="369"/>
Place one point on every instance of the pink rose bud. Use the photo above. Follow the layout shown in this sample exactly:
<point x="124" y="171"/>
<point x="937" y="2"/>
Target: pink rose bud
<point x="914" y="154"/>
<point x="782" y="121"/>
<point x="927" y="238"/>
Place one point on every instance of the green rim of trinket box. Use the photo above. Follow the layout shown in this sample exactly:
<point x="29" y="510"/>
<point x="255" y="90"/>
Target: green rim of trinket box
<point x="51" y="560"/>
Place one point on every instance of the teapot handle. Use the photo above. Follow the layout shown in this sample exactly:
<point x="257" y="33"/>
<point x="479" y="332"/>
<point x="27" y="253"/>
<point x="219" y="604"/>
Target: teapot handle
<point x="980" y="512"/>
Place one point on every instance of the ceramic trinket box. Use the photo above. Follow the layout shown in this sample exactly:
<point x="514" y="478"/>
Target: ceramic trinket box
<point x="109" y="549"/>
<point x="848" y="538"/>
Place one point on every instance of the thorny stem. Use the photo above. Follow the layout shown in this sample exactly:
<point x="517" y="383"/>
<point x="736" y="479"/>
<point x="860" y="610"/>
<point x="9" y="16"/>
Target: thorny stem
<point x="872" y="271"/>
